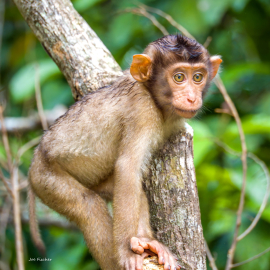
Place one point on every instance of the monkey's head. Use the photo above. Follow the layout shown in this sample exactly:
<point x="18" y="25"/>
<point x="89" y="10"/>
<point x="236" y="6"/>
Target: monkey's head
<point x="177" y="71"/>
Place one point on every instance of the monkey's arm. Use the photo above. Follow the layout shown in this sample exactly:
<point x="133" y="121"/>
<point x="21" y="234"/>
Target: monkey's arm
<point x="128" y="192"/>
<point x="127" y="199"/>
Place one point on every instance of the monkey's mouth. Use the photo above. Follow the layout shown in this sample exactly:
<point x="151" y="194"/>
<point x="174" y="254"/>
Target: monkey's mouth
<point x="186" y="113"/>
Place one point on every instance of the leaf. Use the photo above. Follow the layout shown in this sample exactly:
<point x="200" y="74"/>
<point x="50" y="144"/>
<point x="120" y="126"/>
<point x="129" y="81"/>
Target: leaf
<point x="253" y="244"/>
<point x="221" y="224"/>
<point x="22" y="85"/>
<point x="252" y="124"/>
<point x="256" y="181"/>
<point x="192" y="20"/>
<point x="234" y="72"/>
<point x="93" y="265"/>
<point x="201" y="140"/>
<point x="82" y="5"/>
<point x="213" y="10"/>
<point x="239" y="5"/>
<point x="67" y="251"/>
<point x="56" y="92"/>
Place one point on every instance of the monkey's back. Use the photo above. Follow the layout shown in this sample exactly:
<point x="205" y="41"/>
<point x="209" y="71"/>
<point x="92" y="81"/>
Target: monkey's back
<point x="85" y="141"/>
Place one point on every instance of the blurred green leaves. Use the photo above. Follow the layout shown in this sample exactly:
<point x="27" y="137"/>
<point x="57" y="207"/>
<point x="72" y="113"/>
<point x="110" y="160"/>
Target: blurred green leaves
<point x="82" y="5"/>
<point x="22" y="84"/>
<point x="202" y="141"/>
<point x="240" y="33"/>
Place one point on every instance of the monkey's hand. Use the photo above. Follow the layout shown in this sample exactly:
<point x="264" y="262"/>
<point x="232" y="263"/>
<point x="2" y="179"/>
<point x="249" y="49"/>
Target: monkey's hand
<point x="150" y="246"/>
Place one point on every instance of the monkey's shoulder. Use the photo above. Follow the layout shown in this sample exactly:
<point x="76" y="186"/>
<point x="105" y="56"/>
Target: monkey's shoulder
<point x="102" y="118"/>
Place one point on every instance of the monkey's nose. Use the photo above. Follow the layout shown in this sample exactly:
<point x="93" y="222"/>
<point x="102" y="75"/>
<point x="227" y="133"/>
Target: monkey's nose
<point x="191" y="100"/>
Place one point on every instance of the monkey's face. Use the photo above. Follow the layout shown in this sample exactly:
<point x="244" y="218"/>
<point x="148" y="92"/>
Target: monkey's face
<point x="187" y="82"/>
<point x="179" y="85"/>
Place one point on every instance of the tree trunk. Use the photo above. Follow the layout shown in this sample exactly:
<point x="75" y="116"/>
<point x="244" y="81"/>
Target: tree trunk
<point x="88" y="65"/>
<point x="173" y="198"/>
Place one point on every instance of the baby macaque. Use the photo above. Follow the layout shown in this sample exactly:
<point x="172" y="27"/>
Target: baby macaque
<point x="100" y="149"/>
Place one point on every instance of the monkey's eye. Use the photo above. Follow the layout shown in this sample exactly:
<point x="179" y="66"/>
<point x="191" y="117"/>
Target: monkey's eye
<point x="179" y="77"/>
<point x="198" y="77"/>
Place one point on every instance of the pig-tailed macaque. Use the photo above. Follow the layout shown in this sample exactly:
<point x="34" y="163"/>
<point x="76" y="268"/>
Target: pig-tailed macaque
<point x="100" y="149"/>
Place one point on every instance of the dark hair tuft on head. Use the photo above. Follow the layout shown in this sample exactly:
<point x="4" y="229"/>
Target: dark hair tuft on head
<point x="184" y="48"/>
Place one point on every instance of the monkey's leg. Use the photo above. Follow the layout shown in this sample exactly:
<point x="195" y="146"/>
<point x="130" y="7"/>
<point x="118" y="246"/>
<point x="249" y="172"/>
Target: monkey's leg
<point x="66" y="195"/>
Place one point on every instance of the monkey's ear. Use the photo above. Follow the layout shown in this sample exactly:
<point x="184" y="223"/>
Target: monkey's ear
<point x="215" y="63"/>
<point x="140" y="67"/>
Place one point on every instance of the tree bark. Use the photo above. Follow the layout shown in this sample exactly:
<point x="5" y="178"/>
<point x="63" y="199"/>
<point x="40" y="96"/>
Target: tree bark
<point x="173" y="198"/>
<point x="88" y="65"/>
<point x="72" y="44"/>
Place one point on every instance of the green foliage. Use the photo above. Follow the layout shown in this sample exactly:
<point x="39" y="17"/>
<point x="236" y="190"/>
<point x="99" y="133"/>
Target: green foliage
<point x="22" y="84"/>
<point x="81" y="5"/>
<point x="240" y="33"/>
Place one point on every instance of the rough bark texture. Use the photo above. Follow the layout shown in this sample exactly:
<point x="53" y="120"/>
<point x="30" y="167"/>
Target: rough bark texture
<point x="73" y="45"/>
<point x="173" y="198"/>
<point x="88" y="65"/>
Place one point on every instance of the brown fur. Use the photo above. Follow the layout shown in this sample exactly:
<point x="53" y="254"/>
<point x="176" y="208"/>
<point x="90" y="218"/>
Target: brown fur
<point x="100" y="149"/>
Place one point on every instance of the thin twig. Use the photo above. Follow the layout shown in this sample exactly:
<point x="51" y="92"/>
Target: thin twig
<point x="143" y="12"/>
<point x="251" y="259"/>
<point x="31" y="122"/>
<point x="4" y="266"/>
<point x="27" y="146"/>
<point x="23" y="185"/>
<point x="3" y="222"/>
<point x="265" y="199"/>
<point x="168" y="18"/>
<point x="38" y="100"/>
<point x="5" y="139"/>
<point x="227" y="111"/>
<point x="267" y="193"/>
<point x="210" y="257"/>
<point x="3" y="164"/>
<point x="48" y="222"/>
<point x="207" y="42"/>
<point x="2" y="16"/>
<point x="227" y="98"/>
<point x="6" y="183"/>
<point x="17" y="219"/>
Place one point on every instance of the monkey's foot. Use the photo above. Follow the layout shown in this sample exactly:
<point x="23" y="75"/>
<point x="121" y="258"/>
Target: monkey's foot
<point x="131" y="261"/>
<point x="151" y="263"/>
<point x="150" y="246"/>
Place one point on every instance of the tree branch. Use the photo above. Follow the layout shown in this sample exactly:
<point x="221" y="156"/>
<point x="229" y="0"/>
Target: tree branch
<point x="143" y="12"/>
<point x="2" y="17"/>
<point x="210" y="257"/>
<point x="5" y="212"/>
<point x="23" y="124"/>
<point x="6" y="184"/>
<point x="38" y="100"/>
<point x="168" y="18"/>
<point x="17" y="218"/>
<point x="73" y="45"/>
<point x="251" y="259"/>
<point x="234" y="112"/>
<point x="27" y="146"/>
<point x="5" y="139"/>
<point x="267" y="193"/>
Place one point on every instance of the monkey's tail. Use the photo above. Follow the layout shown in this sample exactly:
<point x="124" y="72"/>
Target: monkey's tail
<point x="34" y="229"/>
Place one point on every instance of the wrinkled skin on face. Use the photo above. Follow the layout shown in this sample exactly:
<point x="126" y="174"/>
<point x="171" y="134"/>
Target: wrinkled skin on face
<point x="181" y="84"/>
<point x="186" y="91"/>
